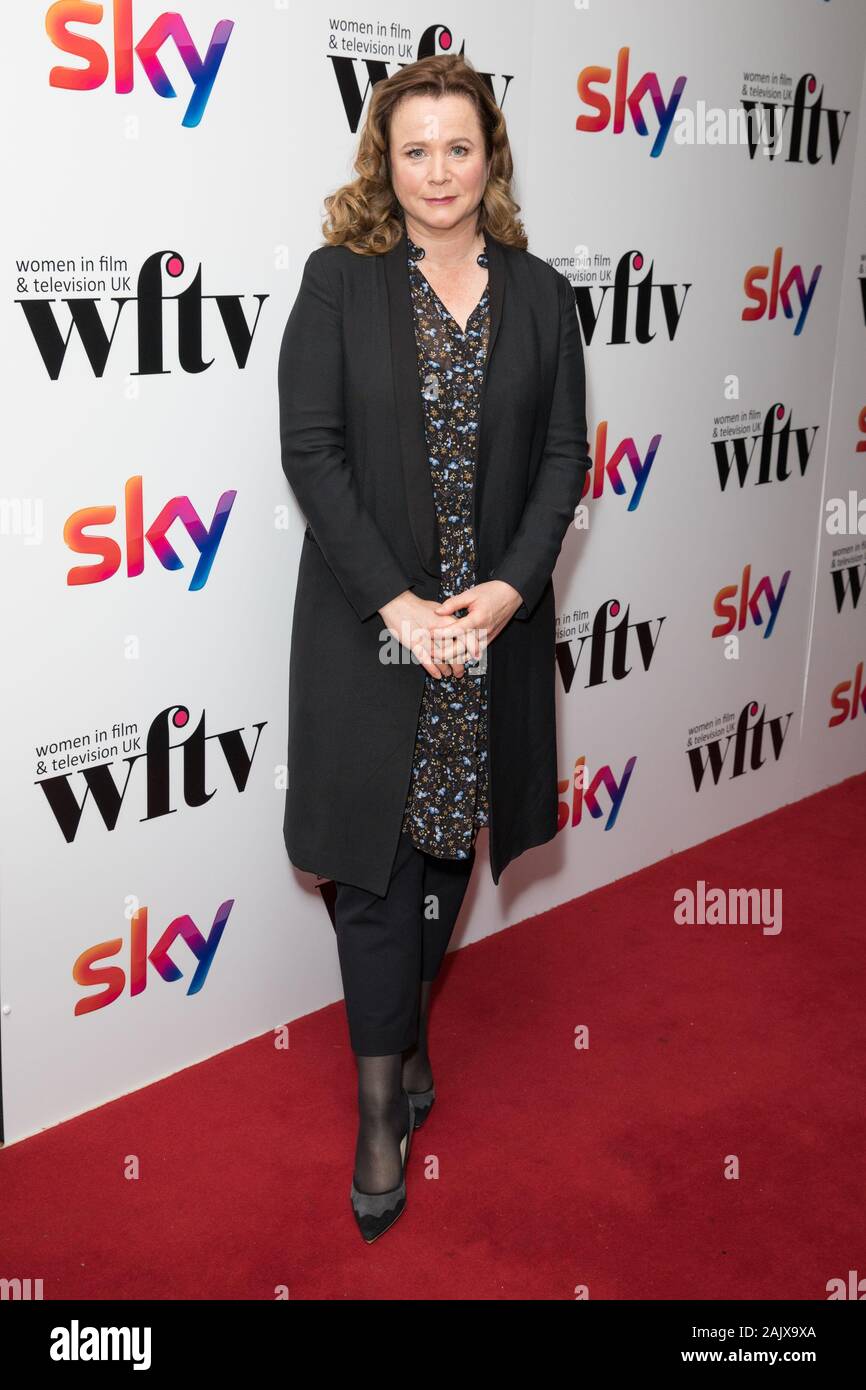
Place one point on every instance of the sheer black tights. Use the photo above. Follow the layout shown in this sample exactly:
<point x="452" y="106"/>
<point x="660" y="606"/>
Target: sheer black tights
<point x="383" y="1110"/>
<point x="417" y="1072"/>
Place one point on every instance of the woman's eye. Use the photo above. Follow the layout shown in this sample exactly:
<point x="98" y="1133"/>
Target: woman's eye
<point x="417" y="150"/>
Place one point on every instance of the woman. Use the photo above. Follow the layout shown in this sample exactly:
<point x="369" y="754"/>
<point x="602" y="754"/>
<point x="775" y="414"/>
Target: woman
<point x="432" y="426"/>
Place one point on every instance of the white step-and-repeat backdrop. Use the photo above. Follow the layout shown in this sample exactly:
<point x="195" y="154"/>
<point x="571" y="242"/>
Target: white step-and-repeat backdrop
<point x="698" y="170"/>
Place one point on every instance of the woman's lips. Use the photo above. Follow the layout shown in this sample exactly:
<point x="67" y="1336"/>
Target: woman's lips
<point x="449" y="199"/>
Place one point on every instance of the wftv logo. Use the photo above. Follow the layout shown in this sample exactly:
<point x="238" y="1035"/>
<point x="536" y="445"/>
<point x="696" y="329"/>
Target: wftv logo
<point x="100" y="787"/>
<point x="633" y="307"/>
<point x="437" y="38"/>
<point x="53" y="342"/>
<point x="777" y="450"/>
<point x="611" y="650"/>
<point x="125" y="50"/>
<point x="800" y="117"/>
<point x="747" y="742"/>
<point x="848" y="581"/>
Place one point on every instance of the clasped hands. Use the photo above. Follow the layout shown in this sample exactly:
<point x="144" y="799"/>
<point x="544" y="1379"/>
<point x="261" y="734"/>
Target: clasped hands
<point x="441" y="642"/>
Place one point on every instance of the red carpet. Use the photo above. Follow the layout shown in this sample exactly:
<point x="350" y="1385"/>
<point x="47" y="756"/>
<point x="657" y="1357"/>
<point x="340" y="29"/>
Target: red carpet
<point x="556" y="1167"/>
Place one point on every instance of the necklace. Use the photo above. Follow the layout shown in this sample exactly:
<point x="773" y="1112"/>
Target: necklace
<point x="417" y="253"/>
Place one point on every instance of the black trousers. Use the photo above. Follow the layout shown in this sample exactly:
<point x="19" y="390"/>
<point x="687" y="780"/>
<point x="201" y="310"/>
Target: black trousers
<point x="388" y="945"/>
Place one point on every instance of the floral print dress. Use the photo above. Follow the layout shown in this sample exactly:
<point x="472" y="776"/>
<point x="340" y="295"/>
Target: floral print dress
<point x="448" y="790"/>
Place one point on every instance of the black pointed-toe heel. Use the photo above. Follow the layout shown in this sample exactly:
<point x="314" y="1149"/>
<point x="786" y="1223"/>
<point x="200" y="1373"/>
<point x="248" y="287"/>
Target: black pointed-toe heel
<point x="375" y="1212"/>
<point x="422" y="1103"/>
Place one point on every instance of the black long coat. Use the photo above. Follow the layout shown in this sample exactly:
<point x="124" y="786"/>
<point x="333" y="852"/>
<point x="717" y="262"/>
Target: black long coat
<point x="353" y="450"/>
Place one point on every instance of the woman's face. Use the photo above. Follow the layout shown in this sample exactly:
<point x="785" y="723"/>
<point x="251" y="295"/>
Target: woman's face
<point x="438" y="165"/>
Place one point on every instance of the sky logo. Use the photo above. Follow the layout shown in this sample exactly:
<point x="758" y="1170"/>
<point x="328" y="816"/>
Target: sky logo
<point x="110" y="554"/>
<point x="791" y="294"/>
<point x="112" y="979"/>
<point x="737" y="604"/>
<point x="125" y="50"/>
<point x="627" y="102"/>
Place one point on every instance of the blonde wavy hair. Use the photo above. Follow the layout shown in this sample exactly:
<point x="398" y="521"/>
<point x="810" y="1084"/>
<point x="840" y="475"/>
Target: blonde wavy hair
<point x="365" y="214"/>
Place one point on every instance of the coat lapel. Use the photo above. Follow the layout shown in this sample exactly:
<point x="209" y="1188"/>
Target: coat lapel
<point x="407" y="389"/>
